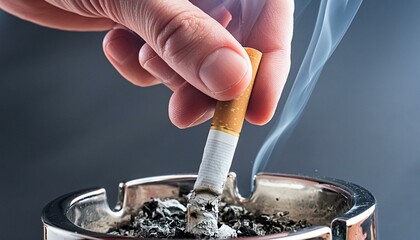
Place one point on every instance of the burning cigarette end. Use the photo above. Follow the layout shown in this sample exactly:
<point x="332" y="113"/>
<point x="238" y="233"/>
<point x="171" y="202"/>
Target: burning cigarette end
<point x="203" y="205"/>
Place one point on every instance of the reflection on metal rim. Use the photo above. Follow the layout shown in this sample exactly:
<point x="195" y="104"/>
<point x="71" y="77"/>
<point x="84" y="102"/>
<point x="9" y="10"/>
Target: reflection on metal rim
<point x="336" y="208"/>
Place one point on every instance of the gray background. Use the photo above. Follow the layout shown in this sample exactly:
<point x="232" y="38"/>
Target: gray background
<point x="69" y="121"/>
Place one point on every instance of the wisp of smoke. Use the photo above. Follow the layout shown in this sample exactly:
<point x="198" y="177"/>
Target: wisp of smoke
<point x="243" y="13"/>
<point x="334" y="18"/>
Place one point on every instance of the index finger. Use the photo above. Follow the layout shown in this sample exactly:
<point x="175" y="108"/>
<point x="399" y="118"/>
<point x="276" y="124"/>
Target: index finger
<point x="272" y="35"/>
<point x="45" y="14"/>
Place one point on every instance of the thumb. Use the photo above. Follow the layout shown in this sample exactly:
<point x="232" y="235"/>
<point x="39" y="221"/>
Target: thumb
<point x="192" y="43"/>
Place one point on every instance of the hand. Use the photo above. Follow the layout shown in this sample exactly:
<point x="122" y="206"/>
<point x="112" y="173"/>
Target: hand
<point x="178" y="44"/>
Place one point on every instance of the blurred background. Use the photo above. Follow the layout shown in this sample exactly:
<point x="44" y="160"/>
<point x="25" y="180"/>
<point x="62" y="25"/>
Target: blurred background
<point x="68" y="120"/>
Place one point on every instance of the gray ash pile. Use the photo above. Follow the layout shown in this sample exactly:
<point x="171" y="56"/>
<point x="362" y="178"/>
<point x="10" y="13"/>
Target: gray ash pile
<point x="248" y="224"/>
<point x="166" y="219"/>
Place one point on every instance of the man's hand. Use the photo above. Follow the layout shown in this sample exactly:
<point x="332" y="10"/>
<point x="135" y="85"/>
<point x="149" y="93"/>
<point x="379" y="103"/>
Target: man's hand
<point x="180" y="45"/>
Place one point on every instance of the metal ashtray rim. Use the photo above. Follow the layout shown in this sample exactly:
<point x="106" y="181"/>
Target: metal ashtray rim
<point x="55" y="215"/>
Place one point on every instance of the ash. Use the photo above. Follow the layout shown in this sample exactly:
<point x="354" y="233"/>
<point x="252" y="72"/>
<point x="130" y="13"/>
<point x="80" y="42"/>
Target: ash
<point x="157" y="219"/>
<point x="166" y="219"/>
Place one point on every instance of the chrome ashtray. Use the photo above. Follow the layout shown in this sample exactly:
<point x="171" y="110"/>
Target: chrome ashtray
<point x="336" y="209"/>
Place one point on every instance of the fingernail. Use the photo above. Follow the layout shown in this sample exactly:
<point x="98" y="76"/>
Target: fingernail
<point x="120" y="49"/>
<point x="223" y="69"/>
<point x="199" y="118"/>
<point x="150" y="61"/>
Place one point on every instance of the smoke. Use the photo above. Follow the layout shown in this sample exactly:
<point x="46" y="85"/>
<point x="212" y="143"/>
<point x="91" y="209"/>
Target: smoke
<point x="243" y="14"/>
<point x="334" y="18"/>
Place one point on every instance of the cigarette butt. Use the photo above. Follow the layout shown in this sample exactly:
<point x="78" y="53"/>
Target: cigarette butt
<point x="229" y="115"/>
<point x="223" y="136"/>
<point x="218" y="153"/>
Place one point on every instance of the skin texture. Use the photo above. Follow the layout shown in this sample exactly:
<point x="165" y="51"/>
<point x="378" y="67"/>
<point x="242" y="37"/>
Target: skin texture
<point x="183" y="45"/>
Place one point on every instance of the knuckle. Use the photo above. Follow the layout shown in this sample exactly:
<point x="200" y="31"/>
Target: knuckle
<point x="180" y="36"/>
<point x="91" y="8"/>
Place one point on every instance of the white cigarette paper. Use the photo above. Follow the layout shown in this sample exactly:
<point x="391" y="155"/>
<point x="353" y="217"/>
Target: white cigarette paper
<point x="217" y="158"/>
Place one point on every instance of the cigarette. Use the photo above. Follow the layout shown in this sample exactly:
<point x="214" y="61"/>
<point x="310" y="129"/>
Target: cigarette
<point x="202" y="209"/>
